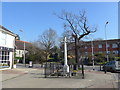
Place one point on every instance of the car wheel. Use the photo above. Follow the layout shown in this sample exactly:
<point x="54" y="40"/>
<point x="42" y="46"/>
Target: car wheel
<point x="112" y="70"/>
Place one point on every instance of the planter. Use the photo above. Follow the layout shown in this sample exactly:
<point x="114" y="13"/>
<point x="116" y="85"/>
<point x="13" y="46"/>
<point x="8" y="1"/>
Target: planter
<point x="4" y="66"/>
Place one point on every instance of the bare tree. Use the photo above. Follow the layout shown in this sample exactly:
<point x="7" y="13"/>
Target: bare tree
<point x="47" y="40"/>
<point x="78" y="24"/>
<point x="70" y="39"/>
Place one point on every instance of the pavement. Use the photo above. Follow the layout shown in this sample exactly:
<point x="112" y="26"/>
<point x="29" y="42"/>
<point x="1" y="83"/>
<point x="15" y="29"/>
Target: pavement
<point x="34" y="78"/>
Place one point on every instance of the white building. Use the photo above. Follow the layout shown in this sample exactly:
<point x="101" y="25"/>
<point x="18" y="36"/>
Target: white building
<point x="19" y="53"/>
<point x="7" y="47"/>
<point x="20" y="48"/>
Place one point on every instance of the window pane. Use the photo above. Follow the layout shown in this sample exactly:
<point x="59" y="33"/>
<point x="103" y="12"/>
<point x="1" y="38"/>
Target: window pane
<point x="115" y="52"/>
<point x="5" y="58"/>
<point x="100" y="46"/>
<point x="108" y="45"/>
<point x="2" y="57"/>
<point x="114" y="45"/>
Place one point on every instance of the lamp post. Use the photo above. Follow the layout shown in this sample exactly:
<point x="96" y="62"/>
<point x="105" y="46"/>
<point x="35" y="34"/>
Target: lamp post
<point x="24" y="50"/>
<point x="92" y="47"/>
<point x="92" y="54"/>
<point x="118" y="48"/>
<point x="106" y="42"/>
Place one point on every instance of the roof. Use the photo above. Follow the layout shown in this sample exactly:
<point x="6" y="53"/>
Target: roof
<point x="8" y="31"/>
<point x="20" y="44"/>
<point x="104" y="41"/>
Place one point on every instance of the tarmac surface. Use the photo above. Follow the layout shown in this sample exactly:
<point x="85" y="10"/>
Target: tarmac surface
<point x="34" y="78"/>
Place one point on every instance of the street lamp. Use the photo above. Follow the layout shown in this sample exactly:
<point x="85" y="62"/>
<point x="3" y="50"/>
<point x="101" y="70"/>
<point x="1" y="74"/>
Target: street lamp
<point x="24" y="49"/>
<point x="92" y="54"/>
<point x="106" y="42"/>
<point x="118" y="48"/>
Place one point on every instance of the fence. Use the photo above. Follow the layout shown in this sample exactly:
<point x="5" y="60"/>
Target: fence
<point x="52" y="69"/>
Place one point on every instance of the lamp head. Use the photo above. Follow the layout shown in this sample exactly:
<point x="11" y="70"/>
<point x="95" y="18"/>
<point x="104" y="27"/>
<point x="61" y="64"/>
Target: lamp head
<point x="21" y="30"/>
<point x="106" y="22"/>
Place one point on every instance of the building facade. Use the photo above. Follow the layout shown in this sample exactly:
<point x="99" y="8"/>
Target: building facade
<point x="21" y="48"/>
<point x="99" y="47"/>
<point x="7" y="47"/>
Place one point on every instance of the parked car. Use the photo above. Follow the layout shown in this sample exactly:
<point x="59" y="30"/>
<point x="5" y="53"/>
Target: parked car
<point x="112" y="66"/>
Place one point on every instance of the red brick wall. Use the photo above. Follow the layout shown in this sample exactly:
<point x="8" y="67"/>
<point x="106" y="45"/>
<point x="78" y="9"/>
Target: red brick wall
<point x="95" y="46"/>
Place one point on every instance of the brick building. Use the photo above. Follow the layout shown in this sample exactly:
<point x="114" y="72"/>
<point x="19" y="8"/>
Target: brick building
<point x="99" y="46"/>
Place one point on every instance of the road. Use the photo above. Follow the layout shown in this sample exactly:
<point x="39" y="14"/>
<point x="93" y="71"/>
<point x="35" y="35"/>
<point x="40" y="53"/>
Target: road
<point x="97" y="68"/>
<point x="116" y="75"/>
<point x="34" y="78"/>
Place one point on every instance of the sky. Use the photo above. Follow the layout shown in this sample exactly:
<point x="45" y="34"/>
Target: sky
<point x="36" y="17"/>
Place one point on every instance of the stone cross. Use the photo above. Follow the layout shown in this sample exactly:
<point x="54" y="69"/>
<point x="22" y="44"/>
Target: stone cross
<point x="66" y="67"/>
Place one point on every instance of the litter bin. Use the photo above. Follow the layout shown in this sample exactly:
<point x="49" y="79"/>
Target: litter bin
<point x="30" y="64"/>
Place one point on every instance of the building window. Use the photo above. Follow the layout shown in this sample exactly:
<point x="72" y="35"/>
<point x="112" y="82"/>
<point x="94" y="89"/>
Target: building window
<point x="115" y="52"/>
<point x="108" y="52"/>
<point x="4" y="57"/>
<point x="85" y="47"/>
<point x="86" y="53"/>
<point x="108" y="45"/>
<point x="100" y="46"/>
<point x="114" y="45"/>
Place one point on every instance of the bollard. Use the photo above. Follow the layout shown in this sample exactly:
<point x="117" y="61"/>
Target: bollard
<point x="82" y="71"/>
<point x="45" y="67"/>
<point x="100" y="67"/>
<point x="105" y="70"/>
<point x="50" y="68"/>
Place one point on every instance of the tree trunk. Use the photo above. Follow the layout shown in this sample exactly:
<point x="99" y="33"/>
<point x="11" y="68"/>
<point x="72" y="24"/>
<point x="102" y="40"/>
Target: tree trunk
<point x="82" y="68"/>
<point x="76" y="53"/>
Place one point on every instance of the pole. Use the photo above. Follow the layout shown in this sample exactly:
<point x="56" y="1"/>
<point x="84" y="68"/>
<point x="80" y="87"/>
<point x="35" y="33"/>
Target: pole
<point x="106" y="42"/>
<point x="118" y="48"/>
<point x="92" y="54"/>
<point x="82" y="67"/>
<point x="24" y="54"/>
<point x="24" y="49"/>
